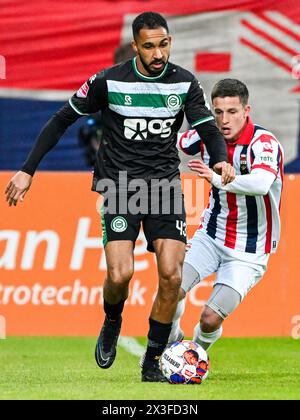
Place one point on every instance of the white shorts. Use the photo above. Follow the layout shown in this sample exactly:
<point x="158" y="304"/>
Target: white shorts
<point x="238" y="270"/>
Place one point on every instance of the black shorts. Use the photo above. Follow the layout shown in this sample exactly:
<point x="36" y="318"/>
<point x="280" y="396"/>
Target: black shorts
<point x="166" y="220"/>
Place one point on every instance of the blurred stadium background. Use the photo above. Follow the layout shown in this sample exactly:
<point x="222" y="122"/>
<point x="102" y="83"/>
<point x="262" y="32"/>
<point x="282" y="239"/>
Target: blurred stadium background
<point x="51" y="258"/>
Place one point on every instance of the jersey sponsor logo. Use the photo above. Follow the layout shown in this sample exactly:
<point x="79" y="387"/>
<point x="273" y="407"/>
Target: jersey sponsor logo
<point x="174" y="101"/>
<point x="267" y="157"/>
<point x="138" y="128"/>
<point x="119" y="224"/>
<point x="128" y="100"/>
<point x="135" y="129"/>
<point x="83" y="91"/>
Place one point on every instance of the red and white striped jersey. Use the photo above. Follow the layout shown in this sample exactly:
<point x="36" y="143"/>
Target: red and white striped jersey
<point x="240" y="215"/>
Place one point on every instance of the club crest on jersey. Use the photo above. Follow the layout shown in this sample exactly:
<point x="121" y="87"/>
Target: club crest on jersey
<point x="243" y="162"/>
<point x="267" y="148"/>
<point x="174" y="101"/>
<point x="83" y="91"/>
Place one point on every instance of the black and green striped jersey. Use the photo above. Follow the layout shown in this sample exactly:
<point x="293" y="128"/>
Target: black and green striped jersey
<point x="141" y="117"/>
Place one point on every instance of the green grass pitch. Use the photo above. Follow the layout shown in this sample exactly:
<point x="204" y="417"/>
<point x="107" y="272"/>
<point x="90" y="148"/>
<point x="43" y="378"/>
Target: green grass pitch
<point x="64" y="368"/>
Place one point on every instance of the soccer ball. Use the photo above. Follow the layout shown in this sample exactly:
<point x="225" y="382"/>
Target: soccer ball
<point x="184" y="362"/>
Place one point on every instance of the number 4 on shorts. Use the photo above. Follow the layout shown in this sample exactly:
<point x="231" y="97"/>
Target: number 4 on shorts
<point x="181" y="226"/>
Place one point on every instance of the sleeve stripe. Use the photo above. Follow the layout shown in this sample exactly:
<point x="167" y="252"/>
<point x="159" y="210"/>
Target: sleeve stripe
<point x="266" y="168"/>
<point x="203" y="120"/>
<point x="76" y="109"/>
<point x="180" y="144"/>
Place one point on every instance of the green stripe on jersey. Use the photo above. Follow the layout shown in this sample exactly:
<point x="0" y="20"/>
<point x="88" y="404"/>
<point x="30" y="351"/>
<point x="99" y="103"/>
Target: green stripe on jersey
<point x="203" y="120"/>
<point x="104" y="231"/>
<point x="75" y="108"/>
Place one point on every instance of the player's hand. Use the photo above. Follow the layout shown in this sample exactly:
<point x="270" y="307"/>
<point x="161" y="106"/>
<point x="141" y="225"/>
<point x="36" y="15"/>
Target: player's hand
<point x="17" y="187"/>
<point x="226" y="170"/>
<point x="203" y="170"/>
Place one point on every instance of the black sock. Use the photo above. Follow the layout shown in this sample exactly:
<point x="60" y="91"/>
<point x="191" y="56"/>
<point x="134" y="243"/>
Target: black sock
<point x="157" y="339"/>
<point x="113" y="312"/>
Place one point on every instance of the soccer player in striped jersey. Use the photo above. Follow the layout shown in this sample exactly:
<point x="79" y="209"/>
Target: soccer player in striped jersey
<point x="240" y="228"/>
<point x="143" y="102"/>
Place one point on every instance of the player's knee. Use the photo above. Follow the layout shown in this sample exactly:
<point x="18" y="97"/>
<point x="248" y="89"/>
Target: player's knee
<point x="210" y="321"/>
<point x="169" y="286"/>
<point x="170" y="279"/>
<point x="119" y="277"/>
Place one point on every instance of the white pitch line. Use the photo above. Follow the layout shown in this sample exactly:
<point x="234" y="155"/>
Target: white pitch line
<point x="131" y="345"/>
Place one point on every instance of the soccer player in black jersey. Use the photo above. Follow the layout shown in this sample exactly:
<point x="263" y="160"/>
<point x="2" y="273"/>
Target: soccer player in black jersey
<point x="143" y="102"/>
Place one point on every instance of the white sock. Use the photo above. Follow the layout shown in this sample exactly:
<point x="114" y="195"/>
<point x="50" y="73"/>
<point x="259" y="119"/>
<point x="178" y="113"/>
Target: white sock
<point x="176" y="321"/>
<point x="206" y="340"/>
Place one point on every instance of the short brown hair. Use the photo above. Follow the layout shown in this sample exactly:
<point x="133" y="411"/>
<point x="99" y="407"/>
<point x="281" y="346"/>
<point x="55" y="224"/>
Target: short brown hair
<point x="231" y="87"/>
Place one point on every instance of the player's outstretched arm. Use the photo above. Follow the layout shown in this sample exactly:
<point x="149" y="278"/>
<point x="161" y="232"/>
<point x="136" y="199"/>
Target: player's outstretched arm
<point x="46" y="140"/>
<point x="87" y="100"/>
<point x="258" y="182"/>
<point x="203" y="171"/>
<point x="227" y="171"/>
<point x="190" y="143"/>
<point x="17" y="188"/>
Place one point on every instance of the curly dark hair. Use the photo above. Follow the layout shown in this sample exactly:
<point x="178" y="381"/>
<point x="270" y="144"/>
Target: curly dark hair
<point x="149" y="20"/>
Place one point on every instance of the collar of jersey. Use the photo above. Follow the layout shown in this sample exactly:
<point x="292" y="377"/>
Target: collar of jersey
<point x="247" y="134"/>
<point x="149" y="78"/>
